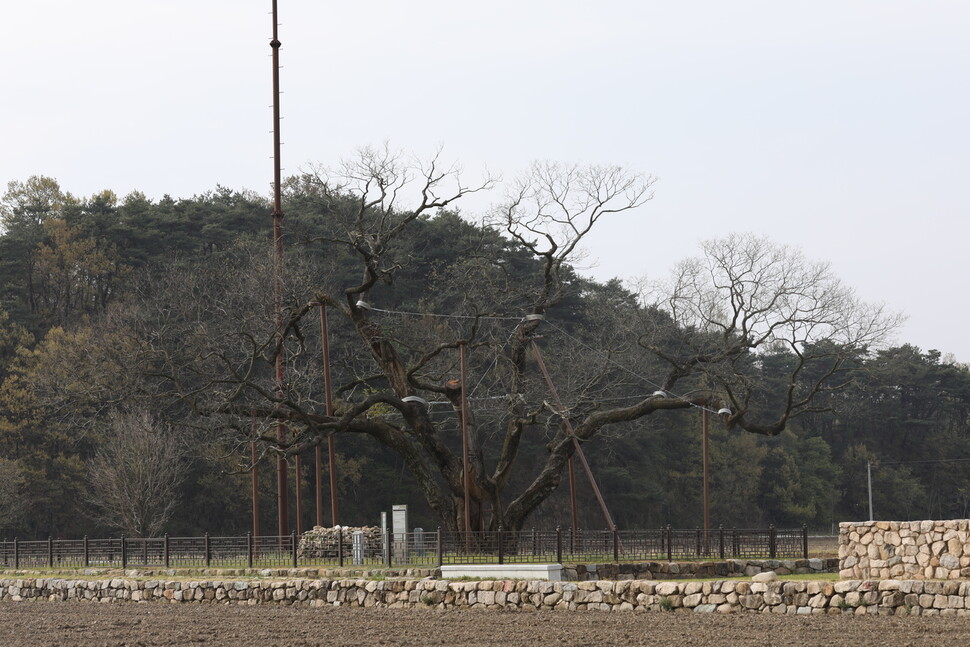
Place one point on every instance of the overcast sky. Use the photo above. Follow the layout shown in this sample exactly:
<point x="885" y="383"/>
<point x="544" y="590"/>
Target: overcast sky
<point x="841" y="127"/>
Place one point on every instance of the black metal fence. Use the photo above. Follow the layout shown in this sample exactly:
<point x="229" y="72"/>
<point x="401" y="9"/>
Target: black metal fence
<point x="417" y="548"/>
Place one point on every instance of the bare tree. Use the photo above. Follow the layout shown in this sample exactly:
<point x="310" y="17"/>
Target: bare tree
<point x="721" y="329"/>
<point x="135" y="477"/>
<point x="747" y="300"/>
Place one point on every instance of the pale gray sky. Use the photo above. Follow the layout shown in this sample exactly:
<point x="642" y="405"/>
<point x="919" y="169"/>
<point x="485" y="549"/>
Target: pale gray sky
<point x="842" y="127"/>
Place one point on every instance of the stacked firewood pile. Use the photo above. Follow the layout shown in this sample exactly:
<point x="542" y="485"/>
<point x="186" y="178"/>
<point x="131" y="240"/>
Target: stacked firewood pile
<point x="322" y="542"/>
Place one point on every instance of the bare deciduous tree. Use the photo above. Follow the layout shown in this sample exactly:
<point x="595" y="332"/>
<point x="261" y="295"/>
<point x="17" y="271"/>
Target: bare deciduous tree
<point x="748" y="300"/>
<point x="135" y="477"/>
<point x="730" y="328"/>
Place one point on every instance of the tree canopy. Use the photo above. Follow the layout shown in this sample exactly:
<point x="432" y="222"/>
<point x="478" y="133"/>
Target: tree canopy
<point x="166" y="308"/>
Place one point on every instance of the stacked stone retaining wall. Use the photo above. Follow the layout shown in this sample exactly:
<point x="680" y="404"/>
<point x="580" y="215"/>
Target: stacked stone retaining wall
<point x="687" y="570"/>
<point x="859" y="597"/>
<point x="916" y="550"/>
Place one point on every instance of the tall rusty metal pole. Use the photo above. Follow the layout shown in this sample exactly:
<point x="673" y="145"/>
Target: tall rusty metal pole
<point x="573" y="507"/>
<point x="569" y="429"/>
<point x="298" y="490"/>
<point x="331" y="448"/>
<point x="283" y="503"/>
<point x="255" y="485"/>
<point x="466" y="472"/>
<point x="707" y="499"/>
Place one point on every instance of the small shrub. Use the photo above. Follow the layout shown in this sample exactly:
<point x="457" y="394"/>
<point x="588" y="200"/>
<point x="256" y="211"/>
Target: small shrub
<point x="666" y="604"/>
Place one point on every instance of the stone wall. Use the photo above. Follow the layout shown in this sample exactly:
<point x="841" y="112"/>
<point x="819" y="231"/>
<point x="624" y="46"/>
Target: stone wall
<point x="919" y="550"/>
<point x="686" y="570"/>
<point x="887" y="597"/>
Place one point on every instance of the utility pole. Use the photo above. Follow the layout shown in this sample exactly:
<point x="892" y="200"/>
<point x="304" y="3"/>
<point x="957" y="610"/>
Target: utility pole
<point x="283" y="504"/>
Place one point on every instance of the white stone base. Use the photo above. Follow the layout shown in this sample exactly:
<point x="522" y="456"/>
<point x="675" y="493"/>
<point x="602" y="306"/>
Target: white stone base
<point x="549" y="572"/>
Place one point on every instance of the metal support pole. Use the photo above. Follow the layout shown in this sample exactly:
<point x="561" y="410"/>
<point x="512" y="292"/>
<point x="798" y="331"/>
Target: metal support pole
<point x="869" y="481"/>
<point x="297" y="487"/>
<point x="166" y="552"/>
<point x="249" y="550"/>
<point x="254" y="482"/>
<point x="87" y="554"/>
<point x="207" y="548"/>
<point x="466" y="470"/>
<point x="318" y="483"/>
<point x="501" y="545"/>
<point x="124" y="553"/>
<point x="572" y="435"/>
<point x="707" y="498"/>
<point x="331" y="448"/>
<point x="50" y="552"/>
<point x="293" y="548"/>
<point x="573" y="506"/>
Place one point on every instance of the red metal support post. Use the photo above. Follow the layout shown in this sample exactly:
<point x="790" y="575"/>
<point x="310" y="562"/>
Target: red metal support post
<point x="569" y="429"/>
<point x="466" y="473"/>
<point x="704" y="452"/>
<point x="331" y="449"/>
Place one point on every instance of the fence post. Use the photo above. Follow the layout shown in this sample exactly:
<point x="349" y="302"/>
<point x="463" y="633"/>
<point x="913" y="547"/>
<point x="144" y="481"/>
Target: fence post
<point x="720" y="541"/>
<point x="165" y="551"/>
<point x="616" y="545"/>
<point x="772" y="547"/>
<point x="670" y="544"/>
<point x="559" y="544"/>
<point x="698" y="548"/>
<point x="293" y="539"/>
<point x="535" y="542"/>
<point x="439" y="548"/>
<point x="734" y="542"/>
<point x="205" y="549"/>
<point x="501" y="546"/>
<point x="249" y="549"/>
<point x="87" y="558"/>
<point x="16" y="553"/>
<point x="124" y="554"/>
<point x="340" y="546"/>
<point x="50" y="551"/>
<point x="804" y="541"/>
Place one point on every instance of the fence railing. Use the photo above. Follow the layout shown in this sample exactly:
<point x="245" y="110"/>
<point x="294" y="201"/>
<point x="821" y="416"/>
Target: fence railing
<point x="417" y="548"/>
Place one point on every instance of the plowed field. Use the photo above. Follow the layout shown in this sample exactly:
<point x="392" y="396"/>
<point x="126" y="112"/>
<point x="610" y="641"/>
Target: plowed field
<point x="67" y="624"/>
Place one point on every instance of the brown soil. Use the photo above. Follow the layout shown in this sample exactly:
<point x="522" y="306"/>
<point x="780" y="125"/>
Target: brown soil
<point x="69" y="624"/>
